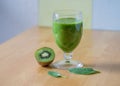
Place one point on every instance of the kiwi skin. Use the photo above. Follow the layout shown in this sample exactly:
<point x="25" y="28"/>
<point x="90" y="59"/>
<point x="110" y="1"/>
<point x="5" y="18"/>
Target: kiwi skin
<point x="44" y="64"/>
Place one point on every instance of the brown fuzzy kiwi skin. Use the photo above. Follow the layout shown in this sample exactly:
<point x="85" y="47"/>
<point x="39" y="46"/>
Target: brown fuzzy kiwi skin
<point x="45" y="64"/>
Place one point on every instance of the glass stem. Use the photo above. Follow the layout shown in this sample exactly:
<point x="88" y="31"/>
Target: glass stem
<point x="67" y="57"/>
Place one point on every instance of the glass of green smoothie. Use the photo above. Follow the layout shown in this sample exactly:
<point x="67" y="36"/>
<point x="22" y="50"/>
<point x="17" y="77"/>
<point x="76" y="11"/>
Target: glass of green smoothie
<point x="67" y="30"/>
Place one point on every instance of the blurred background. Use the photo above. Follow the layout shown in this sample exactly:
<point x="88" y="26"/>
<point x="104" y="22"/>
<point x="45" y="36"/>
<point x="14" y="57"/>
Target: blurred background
<point x="17" y="16"/>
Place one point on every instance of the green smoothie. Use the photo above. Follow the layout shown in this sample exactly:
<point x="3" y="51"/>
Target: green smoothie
<point x="67" y="32"/>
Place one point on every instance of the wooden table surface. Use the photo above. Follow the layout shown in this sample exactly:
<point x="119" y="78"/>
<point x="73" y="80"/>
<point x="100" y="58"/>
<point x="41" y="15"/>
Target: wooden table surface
<point x="98" y="49"/>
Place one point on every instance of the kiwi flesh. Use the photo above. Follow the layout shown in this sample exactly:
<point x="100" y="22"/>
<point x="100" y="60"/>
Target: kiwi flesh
<point x="44" y="56"/>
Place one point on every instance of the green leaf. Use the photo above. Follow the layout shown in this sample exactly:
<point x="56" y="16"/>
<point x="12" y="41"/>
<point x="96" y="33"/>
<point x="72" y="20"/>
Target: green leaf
<point x="83" y="71"/>
<point x="55" y="74"/>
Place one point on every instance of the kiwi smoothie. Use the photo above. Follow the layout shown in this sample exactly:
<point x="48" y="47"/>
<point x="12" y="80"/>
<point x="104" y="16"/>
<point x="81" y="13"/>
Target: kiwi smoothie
<point x="68" y="33"/>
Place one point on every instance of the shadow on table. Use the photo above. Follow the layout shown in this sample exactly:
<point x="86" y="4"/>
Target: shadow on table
<point x="105" y="66"/>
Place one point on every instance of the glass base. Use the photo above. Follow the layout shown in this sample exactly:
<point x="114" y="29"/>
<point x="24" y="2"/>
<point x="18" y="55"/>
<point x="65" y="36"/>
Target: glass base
<point x="63" y="64"/>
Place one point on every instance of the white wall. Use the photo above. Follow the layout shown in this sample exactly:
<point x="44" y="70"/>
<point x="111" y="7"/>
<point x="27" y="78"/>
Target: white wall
<point x="47" y="7"/>
<point x="19" y="15"/>
<point x="16" y="16"/>
<point x="106" y="14"/>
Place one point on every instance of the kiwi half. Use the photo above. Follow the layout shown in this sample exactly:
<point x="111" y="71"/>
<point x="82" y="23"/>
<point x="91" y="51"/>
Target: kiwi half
<point x="44" y="56"/>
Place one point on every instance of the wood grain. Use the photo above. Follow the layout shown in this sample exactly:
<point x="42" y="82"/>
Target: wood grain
<point x="98" y="49"/>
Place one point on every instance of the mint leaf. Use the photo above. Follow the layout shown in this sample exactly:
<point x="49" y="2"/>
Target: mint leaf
<point x="83" y="71"/>
<point x="55" y="74"/>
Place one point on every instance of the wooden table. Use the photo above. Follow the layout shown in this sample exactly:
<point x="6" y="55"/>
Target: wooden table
<point x="98" y="49"/>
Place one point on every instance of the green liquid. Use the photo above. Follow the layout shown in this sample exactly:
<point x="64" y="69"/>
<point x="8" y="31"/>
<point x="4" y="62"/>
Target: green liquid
<point x="67" y="32"/>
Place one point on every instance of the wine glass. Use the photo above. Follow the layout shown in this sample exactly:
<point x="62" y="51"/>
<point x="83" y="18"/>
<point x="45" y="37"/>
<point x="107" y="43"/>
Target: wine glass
<point x="67" y="30"/>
